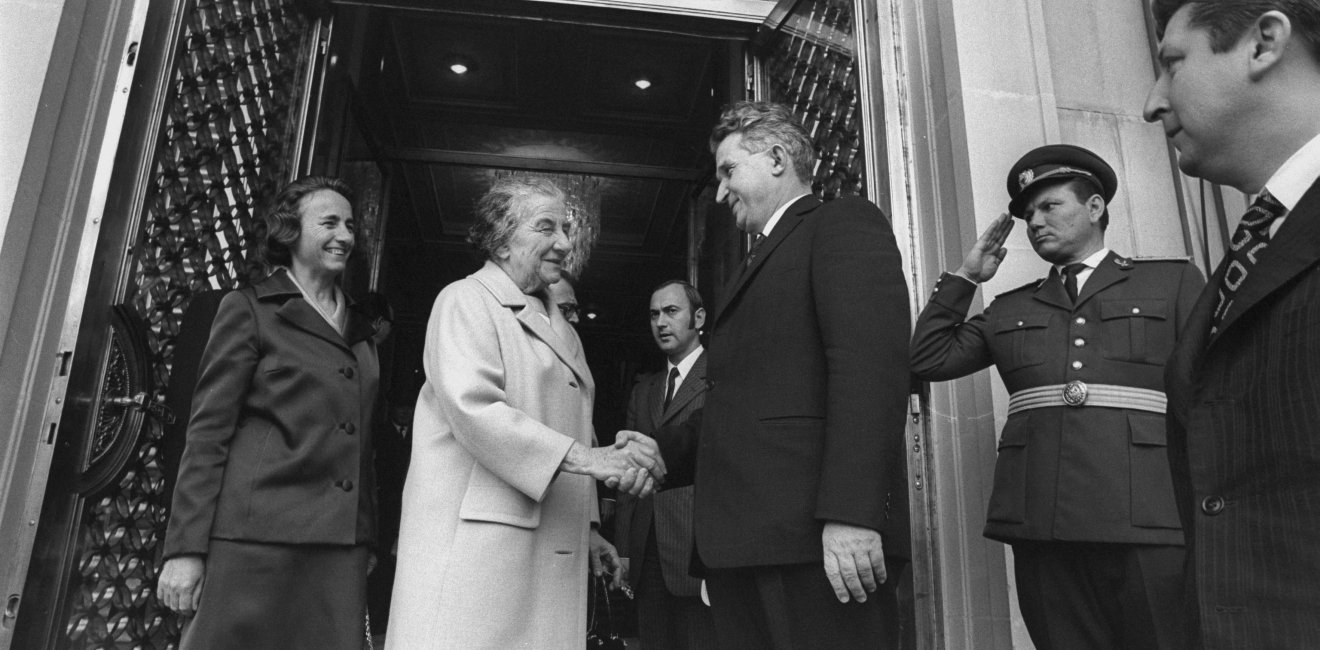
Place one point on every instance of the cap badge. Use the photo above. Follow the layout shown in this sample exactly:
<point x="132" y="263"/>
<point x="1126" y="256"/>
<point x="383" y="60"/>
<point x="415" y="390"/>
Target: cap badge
<point x="1025" y="178"/>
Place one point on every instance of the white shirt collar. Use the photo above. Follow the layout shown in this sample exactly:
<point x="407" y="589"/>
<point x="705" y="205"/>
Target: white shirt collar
<point x="1091" y="262"/>
<point x="774" y="218"/>
<point x="1296" y="175"/>
<point x="685" y="366"/>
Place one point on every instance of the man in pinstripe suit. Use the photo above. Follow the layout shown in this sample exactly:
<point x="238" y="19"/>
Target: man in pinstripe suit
<point x="655" y="533"/>
<point x="1237" y="94"/>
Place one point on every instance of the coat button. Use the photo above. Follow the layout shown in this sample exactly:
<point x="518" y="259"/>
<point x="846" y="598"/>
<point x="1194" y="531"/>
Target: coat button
<point x="1081" y="320"/>
<point x="349" y="428"/>
<point x="345" y="485"/>
<point x="1212" y="505"/>
<point x="573" y="384"/>
<point x="1136" y="310"/>
<point x="1020" y="323"/>
<point x="348" y="372"/>
<point x="1077" y="365"/>
<point x="1079" y="342"/>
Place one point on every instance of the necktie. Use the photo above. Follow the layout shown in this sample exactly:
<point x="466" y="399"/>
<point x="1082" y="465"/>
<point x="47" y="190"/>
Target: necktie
<point x="1070" y="279"/>
<point x="1244" y="249"/>
<point x="669" y="391"/>
<point x="756" y="243"/>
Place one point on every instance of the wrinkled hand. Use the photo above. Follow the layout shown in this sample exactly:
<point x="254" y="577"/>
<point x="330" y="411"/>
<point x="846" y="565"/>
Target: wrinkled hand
<point x="180" y="584"/>
<point x="982" y="262"/>
<point x="605" y="559"/>
<point x="643" y="480"/>
<point x="854" y="560"/>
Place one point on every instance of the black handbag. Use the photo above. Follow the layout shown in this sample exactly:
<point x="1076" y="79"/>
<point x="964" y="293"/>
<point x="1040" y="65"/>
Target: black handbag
<point x="600" y="620"/>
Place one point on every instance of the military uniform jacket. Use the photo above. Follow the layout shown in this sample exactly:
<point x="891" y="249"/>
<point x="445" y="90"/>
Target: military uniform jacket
<point x="1069" y="473"/>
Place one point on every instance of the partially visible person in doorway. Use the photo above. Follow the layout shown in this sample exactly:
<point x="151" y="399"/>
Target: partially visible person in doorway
<point x="565" y="300"/>
<point x="499" y="508"/>
<point x="1237" y="91"/>
<point x="268" y="535"/>
<point x="655" y="533"/>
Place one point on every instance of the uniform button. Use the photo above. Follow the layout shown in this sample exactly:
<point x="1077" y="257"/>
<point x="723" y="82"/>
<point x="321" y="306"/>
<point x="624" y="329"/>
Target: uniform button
<point x="1079" y="342"/>
<point x="1212" y="505"/>
<point x="345" y="485"/>
<point x="348" y="372"/>
<point x="1136" y="310"/>
<point x="1081" y="320"/>
<point x="1020" y="324"/>
<point x="1077" y="365"/>
<point x="349" y="428"/>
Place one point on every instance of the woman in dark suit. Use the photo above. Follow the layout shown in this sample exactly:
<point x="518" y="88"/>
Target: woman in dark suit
<point x="272" y="513"/>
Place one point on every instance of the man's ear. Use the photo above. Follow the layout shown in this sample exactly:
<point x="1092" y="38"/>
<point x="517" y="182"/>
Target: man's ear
<point x="1096" y="207"/>
<point x="779" y="159"/>
<point x="1269" y="39"/>
<point x="700" y="318"/>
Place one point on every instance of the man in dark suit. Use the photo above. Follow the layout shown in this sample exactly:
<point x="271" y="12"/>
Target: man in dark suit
<point x="655" y="533"/>
<point x="1082" y="489"/>
<point x="1237" y="94"/>
<point x="798" y="456"/>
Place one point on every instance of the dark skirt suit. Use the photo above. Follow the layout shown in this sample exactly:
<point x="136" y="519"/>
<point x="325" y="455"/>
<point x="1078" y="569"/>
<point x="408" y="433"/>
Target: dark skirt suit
<point x="275" y="484"/>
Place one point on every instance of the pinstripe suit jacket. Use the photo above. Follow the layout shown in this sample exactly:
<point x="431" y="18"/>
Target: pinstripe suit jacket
<point x="1244" y="447"/>
<point x="669" y="511"/>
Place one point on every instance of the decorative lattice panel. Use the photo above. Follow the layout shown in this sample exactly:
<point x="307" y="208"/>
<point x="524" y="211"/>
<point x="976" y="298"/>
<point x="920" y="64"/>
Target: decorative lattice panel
<point x="813" y="68"/>
<point x="225" y="148"/>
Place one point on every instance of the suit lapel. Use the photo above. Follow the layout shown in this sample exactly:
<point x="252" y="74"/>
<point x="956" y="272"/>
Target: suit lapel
<point x="693" y="385"/>
<point x="1106" y="274"/>
<point x="295" y="309"/>
<point x="533" y="318"/>
<point x="1051" y="292"/>
<point x="1295" y="248"/>
<point x="791" y="219"/>
<point x="655" y="397"/>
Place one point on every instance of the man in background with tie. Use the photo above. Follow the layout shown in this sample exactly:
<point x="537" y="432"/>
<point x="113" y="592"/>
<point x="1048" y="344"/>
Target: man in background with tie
<point x="1237" y="95"/>
<point x="1082" y="490"/>
<point x="655" y="533"/>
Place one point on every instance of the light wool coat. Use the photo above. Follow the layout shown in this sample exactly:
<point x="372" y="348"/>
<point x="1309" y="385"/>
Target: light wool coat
<point x="493" y="541"/>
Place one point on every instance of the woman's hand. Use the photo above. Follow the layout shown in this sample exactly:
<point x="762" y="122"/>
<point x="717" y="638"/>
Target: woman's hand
<point x="637" y="455"/>
<point x="604" y="558"/>
<point x="180" y="584"/>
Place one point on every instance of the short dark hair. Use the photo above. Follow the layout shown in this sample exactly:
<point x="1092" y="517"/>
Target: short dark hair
<point x="1228" y="20"/>
<point x="763" y="125"/>
<point x="279" y="231"/>
<point x="503" y="207"/>
<point x="693" y="296"/>
<point x="1081" y="188"/>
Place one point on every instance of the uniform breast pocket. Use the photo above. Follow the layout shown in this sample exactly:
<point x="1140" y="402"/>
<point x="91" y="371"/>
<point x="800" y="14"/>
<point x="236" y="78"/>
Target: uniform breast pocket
<point x="1137" y="329"/>
<point x="1020" y="341"/>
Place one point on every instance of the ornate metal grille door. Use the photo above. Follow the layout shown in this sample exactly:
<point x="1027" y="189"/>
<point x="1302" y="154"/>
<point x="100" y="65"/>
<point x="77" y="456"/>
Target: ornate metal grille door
<point x="230" y="123"/>
<point x="812" y="66"/>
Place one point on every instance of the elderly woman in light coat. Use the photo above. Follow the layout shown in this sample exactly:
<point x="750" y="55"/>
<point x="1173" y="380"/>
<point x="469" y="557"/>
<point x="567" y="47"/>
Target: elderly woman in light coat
<point x="499" y="507"/>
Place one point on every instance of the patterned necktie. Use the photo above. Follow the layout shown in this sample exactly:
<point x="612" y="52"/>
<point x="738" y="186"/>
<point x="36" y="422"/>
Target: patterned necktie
<point x="756" y="244"/>
<point x="669" y="391"/>
<point x="1070" y="279"/>
<point x="1244" y="249"/>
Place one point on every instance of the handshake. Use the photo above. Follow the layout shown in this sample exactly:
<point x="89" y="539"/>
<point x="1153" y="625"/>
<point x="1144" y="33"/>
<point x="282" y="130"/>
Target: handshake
<point x="632" y="464"/>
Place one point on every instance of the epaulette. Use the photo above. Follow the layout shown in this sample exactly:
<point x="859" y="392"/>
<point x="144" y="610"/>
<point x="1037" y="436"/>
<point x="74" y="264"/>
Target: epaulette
<point x="1186" y="259"/>
<point x="1030" y="285"/>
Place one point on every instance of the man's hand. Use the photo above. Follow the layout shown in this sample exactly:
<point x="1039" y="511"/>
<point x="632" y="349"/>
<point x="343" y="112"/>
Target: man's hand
<point x="605" y="558"/>
<point x="635" y="453"/>
<point x="982" y="262"/>
<point x="180" y="584"/>
<point x="854" y="560"/>
<point x="642" y="448"/>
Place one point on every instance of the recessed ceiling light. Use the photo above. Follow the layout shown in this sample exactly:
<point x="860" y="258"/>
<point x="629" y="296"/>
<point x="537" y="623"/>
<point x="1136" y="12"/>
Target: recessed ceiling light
<point x="458" y="68"/>
<point x="643" y="83"/>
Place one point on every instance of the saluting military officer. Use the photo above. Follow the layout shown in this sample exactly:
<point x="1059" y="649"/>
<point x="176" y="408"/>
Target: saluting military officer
<point x="1082" y="489"/>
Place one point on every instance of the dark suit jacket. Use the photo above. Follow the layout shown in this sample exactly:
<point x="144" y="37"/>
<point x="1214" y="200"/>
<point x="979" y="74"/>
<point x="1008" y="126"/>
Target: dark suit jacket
<point x="805" y="418"/>
<point x="1244" y="444"/>
<point x="278" y="443"/>
<point x="1066" y="473"/>
<point x="670" y="510"/>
